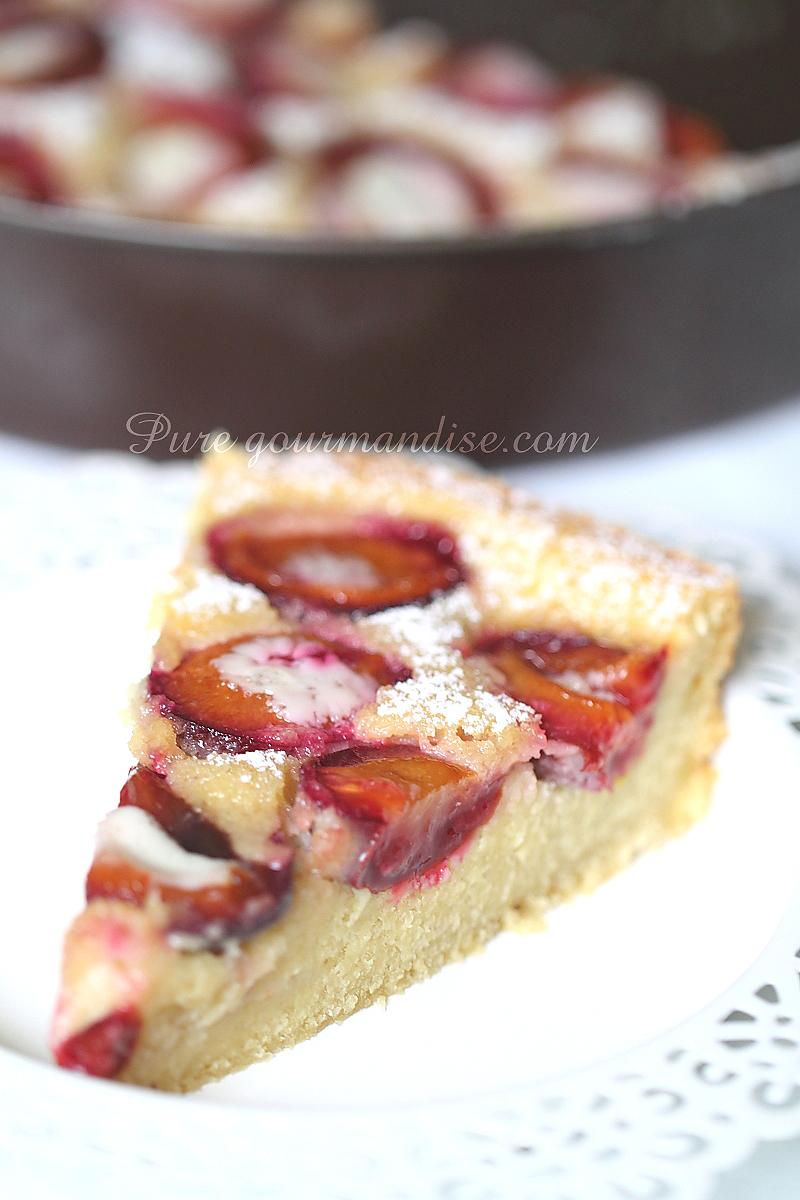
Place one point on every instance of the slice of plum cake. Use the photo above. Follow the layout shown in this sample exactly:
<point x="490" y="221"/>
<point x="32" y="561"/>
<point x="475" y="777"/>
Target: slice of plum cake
<point x="393" y="709"/>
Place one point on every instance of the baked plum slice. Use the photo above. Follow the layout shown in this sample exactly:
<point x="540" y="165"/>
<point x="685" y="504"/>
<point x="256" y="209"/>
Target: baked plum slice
<point x="298" y="49"/>
<point x="24" y="172"/>
<point x="692" y="136"/>
<point x="189" y="828"/>
<point x="181" y="147"/>
<point x="595" y="701"/>
<point x="380" y="816"/>
<point x="275" y="691"/>
<point x="102" y="1048"/>
<point x="39" y="48"/>
<point x="505" y="78"/>
<point x="340" y="564"/>
<point x="228" y="116"/>
<point x="155" y="847"/>
<point x="399" y="186"/>
<point x="271" y="64"/>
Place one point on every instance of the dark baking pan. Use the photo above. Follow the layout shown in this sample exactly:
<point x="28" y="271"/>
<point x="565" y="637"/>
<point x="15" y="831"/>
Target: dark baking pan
<point x="626" y="331"/>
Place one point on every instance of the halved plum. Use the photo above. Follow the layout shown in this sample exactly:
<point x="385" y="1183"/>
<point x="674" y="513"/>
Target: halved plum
<point x="692" y="136"/>
<point x="223" y="19"/>
<point x="227" y="115"/>
<point x="299" y="49"/>
<point x="182" y="148"/>
<point x="188" y="827"/>
<point x="37" y="48"/>
<point x="24" y="172"/>
<point x="150" y="848"/>
<point x="595" y="700"/>
<point x="102" y="1048"/>
<point x="271" y="64"/>
<point x="348" y="564"/>
<point x="329" y="27"/>
<point x="400" y="186"/>
<point x="280" y="692"/>
<point x="505" y="78"/>
<point x="378" y="816"/>
<point x="630" y="676"/>
<point x="251" y="898"/>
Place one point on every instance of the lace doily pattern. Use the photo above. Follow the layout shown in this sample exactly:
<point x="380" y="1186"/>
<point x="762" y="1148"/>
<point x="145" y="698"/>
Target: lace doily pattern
<point x="654" y="1124"/>
<point x="88" y="511"/>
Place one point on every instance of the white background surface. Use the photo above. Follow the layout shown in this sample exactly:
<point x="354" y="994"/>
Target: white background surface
<point x="744" y="476"/>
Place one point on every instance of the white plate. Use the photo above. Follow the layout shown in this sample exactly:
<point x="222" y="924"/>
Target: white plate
<point x="393" y="1102"/>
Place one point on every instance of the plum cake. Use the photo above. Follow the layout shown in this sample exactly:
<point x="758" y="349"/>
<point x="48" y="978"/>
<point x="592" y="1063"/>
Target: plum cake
<point x="393" y="709"/>
<point x="292" y="118"/>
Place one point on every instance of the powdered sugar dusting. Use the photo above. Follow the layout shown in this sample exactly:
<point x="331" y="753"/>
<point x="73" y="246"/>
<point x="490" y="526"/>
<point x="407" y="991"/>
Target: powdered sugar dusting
<point x="436" y="702"/>
<point x="213" y="592"/>
<point x="425" y="637"/>
<point x="241" y="480"/>
<point x="620" y="548"/>
<point x="588" y="569"/>
<point x="268" y="762"/>
<point x="625" y="571"/>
